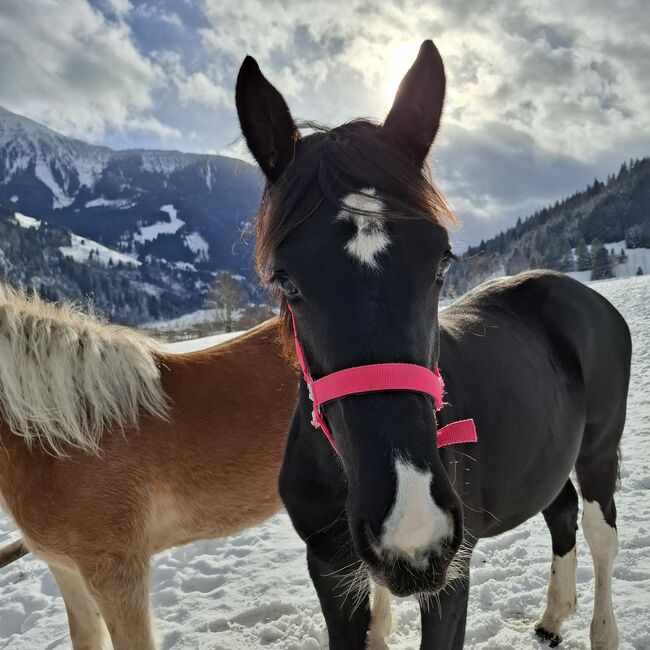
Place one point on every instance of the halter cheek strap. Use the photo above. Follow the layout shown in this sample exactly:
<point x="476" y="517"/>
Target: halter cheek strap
<point x="375" y="378"/>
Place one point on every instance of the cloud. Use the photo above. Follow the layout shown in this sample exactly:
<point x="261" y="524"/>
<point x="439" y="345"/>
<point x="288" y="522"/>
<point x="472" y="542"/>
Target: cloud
<point x="539" y="99"/>
<point x="154" y="12"/>
<point x="65" y="63"/>
<point x="201" y="88"/>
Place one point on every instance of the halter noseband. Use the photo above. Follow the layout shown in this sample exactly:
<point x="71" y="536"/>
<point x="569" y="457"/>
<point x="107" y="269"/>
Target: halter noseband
<point x="374" y="378"/>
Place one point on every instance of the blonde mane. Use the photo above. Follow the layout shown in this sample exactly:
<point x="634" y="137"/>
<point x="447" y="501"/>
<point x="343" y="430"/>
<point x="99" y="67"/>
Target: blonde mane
<point x="65" y="376"/>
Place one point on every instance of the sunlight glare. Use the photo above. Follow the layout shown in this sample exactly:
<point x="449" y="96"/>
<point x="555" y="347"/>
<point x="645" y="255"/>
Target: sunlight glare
<point x="399" y="61"/>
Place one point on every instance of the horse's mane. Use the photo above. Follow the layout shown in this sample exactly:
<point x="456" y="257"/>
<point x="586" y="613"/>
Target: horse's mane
<point x="65" y="376"/>
<point x="331" y="163"/>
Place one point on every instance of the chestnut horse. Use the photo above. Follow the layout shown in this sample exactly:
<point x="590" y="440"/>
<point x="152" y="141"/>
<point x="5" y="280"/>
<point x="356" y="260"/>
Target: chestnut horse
<point x="352" y="233"/>
<point x="111" y="451"/>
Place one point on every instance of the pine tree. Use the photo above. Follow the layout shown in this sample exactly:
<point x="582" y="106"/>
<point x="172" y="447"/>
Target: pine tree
<point x="602" y="265"/>
<point x="584" y="262"/>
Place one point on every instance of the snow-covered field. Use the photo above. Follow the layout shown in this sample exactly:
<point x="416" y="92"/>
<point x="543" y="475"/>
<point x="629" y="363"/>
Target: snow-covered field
<point x="637" y="258"/>
<point x="252" y="590"/>
<point x="81" y="247"/>
<point x="148" y="233"/>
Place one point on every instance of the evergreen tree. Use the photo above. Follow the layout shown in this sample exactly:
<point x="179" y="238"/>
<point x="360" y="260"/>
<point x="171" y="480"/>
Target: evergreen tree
<point x="535" y="260"/>
<point x="567" y="262"/>
<point x="584" y="261"/>
<point x="639" y="271"/>
<point x="602" y="265"/>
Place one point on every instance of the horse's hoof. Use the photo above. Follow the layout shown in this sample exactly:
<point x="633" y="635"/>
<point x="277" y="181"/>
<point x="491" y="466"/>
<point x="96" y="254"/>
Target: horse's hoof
<point x="555" y="639"/>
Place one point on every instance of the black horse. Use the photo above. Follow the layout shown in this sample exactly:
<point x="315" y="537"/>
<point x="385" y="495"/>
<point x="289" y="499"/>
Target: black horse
<point x="352" y="232"/>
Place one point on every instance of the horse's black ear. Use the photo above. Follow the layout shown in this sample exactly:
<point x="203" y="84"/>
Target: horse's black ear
<point x="270" y="132"/>
<point x="415" y="115"/>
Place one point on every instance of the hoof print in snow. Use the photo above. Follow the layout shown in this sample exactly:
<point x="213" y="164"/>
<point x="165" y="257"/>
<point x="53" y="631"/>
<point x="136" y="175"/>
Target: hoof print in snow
<point x="555" y="639"/>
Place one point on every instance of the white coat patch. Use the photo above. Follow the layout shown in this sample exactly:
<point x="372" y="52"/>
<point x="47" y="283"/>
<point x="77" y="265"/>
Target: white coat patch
<point x="561" y="596"/>
<point x="603" y="545"/>
<point x="416" y="524"/>
<point x="370" y="238"/>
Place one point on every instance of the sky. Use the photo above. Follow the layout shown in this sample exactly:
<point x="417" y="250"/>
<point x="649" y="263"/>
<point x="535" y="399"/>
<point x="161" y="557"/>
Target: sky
<point x="542" y="95"/>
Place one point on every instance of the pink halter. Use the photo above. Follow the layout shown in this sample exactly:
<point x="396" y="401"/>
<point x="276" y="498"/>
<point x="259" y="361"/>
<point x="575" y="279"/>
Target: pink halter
<point x="374" y="378"/>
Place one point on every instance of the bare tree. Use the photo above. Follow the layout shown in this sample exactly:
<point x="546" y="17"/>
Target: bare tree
<point x="226" y="295"/>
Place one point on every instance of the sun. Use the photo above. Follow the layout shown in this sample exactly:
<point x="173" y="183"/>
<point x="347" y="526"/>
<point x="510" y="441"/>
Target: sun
<point x="399" y="61"/>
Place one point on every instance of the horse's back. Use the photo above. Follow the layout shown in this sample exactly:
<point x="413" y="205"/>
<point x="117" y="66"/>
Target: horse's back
<point x="533" y="358"/>
<point x="587" y="334"/>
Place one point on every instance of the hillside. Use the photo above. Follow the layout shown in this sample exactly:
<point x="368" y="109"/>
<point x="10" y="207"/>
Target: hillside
<point x="576" y="235"/>
<point x="186" y="208"/>
<point x="60" y="264"/>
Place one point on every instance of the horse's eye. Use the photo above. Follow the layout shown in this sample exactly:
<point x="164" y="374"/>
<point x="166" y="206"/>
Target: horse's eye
<point x="288" y="287"/>
<point x="445" y="263"/>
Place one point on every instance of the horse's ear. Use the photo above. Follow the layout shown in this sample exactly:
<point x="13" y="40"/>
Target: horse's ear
<point x="415" y="115"/>
<point x="270" y="132"/>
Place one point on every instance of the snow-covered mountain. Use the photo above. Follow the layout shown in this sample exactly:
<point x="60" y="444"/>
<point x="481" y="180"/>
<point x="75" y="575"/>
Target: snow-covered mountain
<point x="180" y="207"/>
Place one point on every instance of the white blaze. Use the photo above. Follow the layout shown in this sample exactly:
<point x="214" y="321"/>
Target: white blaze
<point x="416" y="524"/>
<point x="370" y="238"/>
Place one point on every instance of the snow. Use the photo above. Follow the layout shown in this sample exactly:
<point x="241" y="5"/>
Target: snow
<point x="192" y="345"/>
<point x="101" y="202"/>
<point x="148" y="233"/>
<point x="14" y="198"/>
<point x="197" y="245"/>
<point x="43" y="171"/>
<point x="208" y="175"/>
<point x="252" y="590"/>
<point x="636" y="258"/>
<point x="27" y="222"/>
<point x="165" y="162"/>
<point x="81" y="247"/>
<point x="183" y="322"/>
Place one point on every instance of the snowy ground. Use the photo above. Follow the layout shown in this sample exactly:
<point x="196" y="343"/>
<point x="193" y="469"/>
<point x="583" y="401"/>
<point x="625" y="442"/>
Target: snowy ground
<point x="637" y="258"/>
<point x="252" y="590"/>
<point x="81" y="247"/>
<point x="148" y="233"/>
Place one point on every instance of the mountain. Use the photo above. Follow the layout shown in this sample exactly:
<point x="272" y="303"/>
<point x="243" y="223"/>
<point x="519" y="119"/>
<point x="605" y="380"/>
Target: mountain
<point x="602" y="231"/>
<point x="62" y="265"/>
<point x="162" y="205"/>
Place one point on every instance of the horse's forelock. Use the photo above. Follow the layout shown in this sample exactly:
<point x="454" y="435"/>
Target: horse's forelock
<point x="333" y="163"/>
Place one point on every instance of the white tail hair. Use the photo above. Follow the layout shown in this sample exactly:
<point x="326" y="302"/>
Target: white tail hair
<point x="66" y="376"/>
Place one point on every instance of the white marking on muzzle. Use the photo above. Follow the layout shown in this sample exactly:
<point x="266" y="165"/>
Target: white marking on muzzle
<point x="416" y="524"/>
<point x="370" y="238"/>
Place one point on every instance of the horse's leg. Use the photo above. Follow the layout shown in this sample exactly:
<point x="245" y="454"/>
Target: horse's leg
<point x="87" y="628"/>
<point x="597" y="471"/>
<point x="346" y="609"/>
<point x="444" y="616"/>
<point x="121" y="588"/>
<point x="562" y="520"/>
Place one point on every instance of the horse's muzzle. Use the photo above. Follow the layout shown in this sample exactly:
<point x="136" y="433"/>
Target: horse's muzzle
<point x="424" y="572"/>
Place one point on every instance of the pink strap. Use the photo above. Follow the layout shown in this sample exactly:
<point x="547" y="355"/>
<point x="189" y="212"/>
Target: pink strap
<point x="379" y="377"/>
<point x="457" y="432"/>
